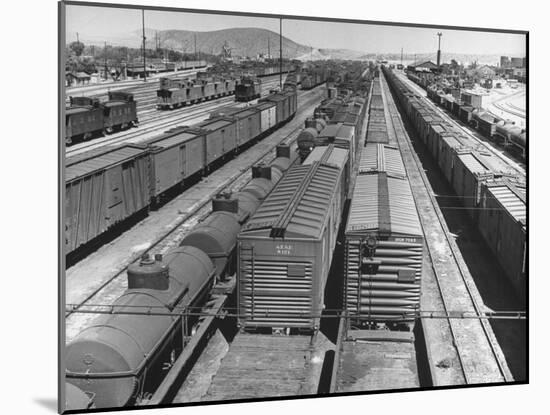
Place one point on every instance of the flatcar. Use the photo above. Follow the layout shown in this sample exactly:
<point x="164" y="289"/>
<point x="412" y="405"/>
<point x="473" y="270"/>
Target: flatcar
<point x="248" y="89"/>
<point x="116" y="358"/>
<point x="88" y="117"/>
<point x="285" y="249"/>
<point x="123" y="181"/>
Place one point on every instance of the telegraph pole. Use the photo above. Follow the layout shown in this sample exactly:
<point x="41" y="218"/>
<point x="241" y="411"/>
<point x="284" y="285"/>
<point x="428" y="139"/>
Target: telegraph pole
<point x="195" y="35"/>
<point x="143" y="27"/>
<point x="439" y="34"/>
<point x="281" y="53"/>
<point x="77" y="39"/>
<point x="401" y="56"/>
<point x="105" y="59"/>
<point x="268" y="48"/>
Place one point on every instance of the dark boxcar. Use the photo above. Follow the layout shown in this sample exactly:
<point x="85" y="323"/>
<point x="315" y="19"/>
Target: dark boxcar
<point x="102" y="189"/>
<point x="383" y="251"/>
<point x="248" y="89"/>
<point x="502" y="222"/>
<point x="120" y="111"/>
<point x="285" y="249"/>
<point x="175" y="156"/>
<point x="82" y="121"/>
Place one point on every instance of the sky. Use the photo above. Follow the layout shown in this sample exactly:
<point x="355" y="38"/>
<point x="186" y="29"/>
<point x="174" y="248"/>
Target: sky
<point x="103" y="24"/>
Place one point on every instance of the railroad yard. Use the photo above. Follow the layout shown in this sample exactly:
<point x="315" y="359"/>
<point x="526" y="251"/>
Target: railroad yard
<point x="318" y="228"/>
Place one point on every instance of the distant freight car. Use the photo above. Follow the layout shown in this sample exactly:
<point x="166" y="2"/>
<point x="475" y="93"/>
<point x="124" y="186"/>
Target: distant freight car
<point x="285" y="249"/>
<point x="248" y="89"/>
<point x="174" y="93"/>
<point x="88" y="117"/>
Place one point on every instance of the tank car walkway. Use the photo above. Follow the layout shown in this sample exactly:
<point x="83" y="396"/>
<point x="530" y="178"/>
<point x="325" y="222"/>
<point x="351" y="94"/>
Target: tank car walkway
<point x="461" y="351"/>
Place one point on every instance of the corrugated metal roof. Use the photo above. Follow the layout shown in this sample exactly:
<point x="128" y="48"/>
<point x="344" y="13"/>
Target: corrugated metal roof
<point x="82" y="166"/>
<point x="377" y="157"/>
<point x="214" y="124"/>
<point x="510" y="201"/>
<point x="167" y="140"/>
<point x="308" y="213"/>
<point x="473" y="163"/>
<point x="365" y="209"/>
<point x="337" y="157"/>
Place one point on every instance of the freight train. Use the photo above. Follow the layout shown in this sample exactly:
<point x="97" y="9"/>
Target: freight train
<point x="176" y="92"/>
<point x="103" y="188"/>
<point x="118" y="357"/>
<point x="383" y="236"/>
<point x="504" y="132"/>
<point x="493" y="194"/>
<point x="88" y="117"/>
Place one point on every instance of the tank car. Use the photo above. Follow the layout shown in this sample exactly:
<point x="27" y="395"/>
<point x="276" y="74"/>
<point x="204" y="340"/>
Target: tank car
<point x="113" y="357"/>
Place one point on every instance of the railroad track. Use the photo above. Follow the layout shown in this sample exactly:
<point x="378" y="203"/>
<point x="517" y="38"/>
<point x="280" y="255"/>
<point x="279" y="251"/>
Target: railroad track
<point x="155" y="122"/>
<point x="519" y="168"/>
<point x="481" y="360"/>
<point x="116" y="283"/>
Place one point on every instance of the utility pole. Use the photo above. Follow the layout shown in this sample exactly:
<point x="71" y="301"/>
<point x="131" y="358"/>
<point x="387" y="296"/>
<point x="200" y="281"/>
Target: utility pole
<point x="143" y="27"/>
<point x="77" y="39"/>
<point x="195" y="35"/>
<point x="439" y="34"/>
<point x="281" y="53"/>
<point x="401" y="56"/>
<point x="268" y="48"/>
<point x="105" y="59"/>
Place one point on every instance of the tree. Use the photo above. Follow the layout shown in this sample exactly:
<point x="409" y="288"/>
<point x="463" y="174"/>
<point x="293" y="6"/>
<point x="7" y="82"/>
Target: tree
<point x="77" y="48"/>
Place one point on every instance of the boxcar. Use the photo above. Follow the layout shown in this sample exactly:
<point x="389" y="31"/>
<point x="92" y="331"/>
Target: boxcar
<point x="502" y="222"/>
<point x="470" y="170"/>
<point x="221" y="137"/>
<point x="102" y="189"/>
<point x="383" y="252"/>
<point x="268" y="115"/>
<point x="285" y="249"/>
<point x="175" y="155"/>
<point x="120" y="111"/>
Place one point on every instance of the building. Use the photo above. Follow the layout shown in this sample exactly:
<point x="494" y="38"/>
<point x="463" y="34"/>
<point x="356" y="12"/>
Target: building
<point x="422" y="66"/>
<point x="76" y="78"/>
<point x="517" y="62"/>
<point x="504" y="62"/>
<point x="474" y="98"/>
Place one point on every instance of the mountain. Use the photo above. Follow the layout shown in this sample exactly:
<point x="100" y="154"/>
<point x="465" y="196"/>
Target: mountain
<point x="242" y="41"/>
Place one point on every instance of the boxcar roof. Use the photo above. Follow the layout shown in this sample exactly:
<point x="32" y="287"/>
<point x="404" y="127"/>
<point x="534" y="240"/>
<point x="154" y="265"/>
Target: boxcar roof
<point x="83" y="165"/>
<point x="167" y="140"/>
<point x="335" y="156"/>
<point x="378" y="157"/>
<point x="305" y="215"/>
<point x="385" y="202"/>
<point x="510" y="201"/>
<point x="214" y="124"/>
